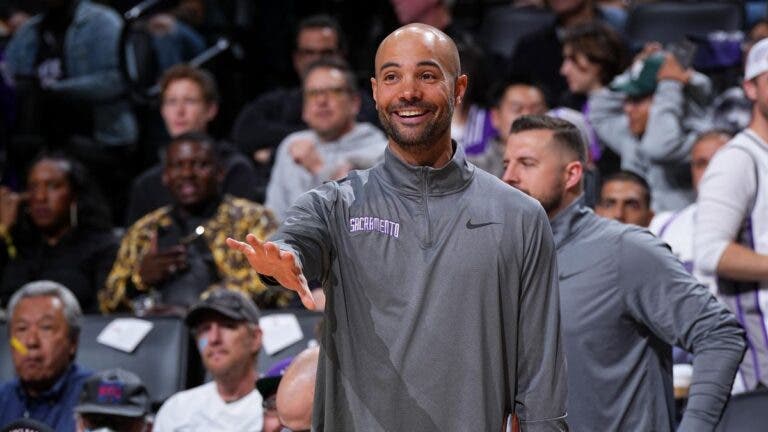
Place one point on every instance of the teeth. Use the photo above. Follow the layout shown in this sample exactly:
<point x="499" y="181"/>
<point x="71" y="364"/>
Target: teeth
<point x="410" y="113"/>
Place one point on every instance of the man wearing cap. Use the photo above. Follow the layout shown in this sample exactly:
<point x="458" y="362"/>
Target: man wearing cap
<point x="113" y="400"/>
<point x="267" y="386"/>
<point x="731" y="232"/>
<point x="226" y="326"/>
<point x="650" y="116"/>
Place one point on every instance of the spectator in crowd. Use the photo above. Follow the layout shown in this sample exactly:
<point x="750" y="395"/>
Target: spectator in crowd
<point x="65" y="67"/>
<point x="263" y="124"/>
<point x="114" y="400"/>
<point x="419" y="211"/>
<point x="44" y="329"/>
<point x="173" y="254"/>
<point x="624" y="299"/>
<point x="625" y="197"/>
<point x="334" y="143"/>
<point x="651" y="116"/>
<point x="296" y="392"/>
<point x="511" y="99"/>
<point x="267" y="385"/>
<point x="731" y="230"/>
<point x="190" y="101"/>
<point x="58" y="229"/>
<point x="26" y="425"/>
<point x="593" y="54"/>
<point x="540" y="54"/>
<point x="225" y="325"/>
<point x="677" y="228"/>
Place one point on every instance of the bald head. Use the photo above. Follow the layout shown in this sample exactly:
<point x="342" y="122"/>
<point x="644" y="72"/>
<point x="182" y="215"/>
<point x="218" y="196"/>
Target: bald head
<point x="296" y="392"/>
<point x="433" y="39"/>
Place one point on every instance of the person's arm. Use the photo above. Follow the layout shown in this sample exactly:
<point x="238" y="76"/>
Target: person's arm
<point x="541" y="391"/>
<point x="300" y="250"/>
<point x="606" y="115"/>
<point x="104" y="82"/>
<point x="725" y="199"/>
<point x="674" y="306"/>
<point x="277" y="198"/>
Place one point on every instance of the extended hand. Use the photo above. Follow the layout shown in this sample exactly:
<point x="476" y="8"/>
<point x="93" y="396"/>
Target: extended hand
<point x="267" y="259"/>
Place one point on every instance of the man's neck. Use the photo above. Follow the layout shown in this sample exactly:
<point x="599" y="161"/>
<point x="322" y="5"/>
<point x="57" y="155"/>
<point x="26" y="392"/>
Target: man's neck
<point x="436" y="155"/>
<point x="236" y="385"/>
<point x="759" y="124"/>
<point x="568" y="199"/>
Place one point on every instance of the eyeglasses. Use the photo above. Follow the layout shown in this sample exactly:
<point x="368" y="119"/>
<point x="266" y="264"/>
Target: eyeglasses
<point x="326" y="91"/>
<point x="307" y="52"/>
<point x="187" y="102"/>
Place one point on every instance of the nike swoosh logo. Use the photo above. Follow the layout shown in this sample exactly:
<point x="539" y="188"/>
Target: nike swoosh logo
<point x="470" y="225"/>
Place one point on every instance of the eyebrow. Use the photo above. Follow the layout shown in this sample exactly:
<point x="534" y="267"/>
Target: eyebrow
<point x="421" y="63"/>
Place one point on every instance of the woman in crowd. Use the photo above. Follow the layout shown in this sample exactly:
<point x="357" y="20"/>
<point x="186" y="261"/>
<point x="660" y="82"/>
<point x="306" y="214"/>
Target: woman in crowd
<point x="58" y="229"/>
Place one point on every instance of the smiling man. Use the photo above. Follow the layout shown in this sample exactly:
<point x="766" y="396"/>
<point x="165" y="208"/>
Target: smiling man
<point x="440" y="281"/>
<point x="173" y="254"/>
<point x="334" y="143"/>
<point x="225" y="325"/>
<point x="44" y="328"/>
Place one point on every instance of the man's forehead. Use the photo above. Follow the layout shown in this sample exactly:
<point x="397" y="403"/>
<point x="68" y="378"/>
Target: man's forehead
<point x="418" y="44"/>
<point x="39" y="307"/>
<point x="323" y="74"/>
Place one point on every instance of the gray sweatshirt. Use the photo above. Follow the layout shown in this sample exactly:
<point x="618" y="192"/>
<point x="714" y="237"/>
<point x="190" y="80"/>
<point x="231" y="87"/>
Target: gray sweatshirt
<point x="677" y="115"/>
<point x="363" y="146"/>
<point x="442" y="305"/>
<point x="625" y="299"/>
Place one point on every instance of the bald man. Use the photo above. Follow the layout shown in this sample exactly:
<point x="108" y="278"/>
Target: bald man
<point x="442" y="300"/>
<point x="297" y="390"/>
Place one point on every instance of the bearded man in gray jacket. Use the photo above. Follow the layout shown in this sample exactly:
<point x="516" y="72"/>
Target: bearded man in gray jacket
<point x="624" y="299"/>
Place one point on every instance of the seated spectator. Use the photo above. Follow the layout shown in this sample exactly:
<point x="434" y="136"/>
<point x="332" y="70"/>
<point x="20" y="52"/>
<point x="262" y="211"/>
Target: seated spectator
<point x="676" y="228"/>
<point x="296" y="393"/>
<point x="511" y="99"/>
<point x="44" y="329"/>
<point x="263" y="124"/>
<point x="113" y="400"/>
<point x="334" y="143"/>
<point x="225" y="325"/>
<point x="593" y="54"/>
<point x="26" y="425"/>
<point x="58" y="229"/>
<point x="173" y="254"/>
<point x="190" y="101"/>
<point x="651" y="115"/>
<point x="267" y="386"/>
<point x="625" y="197"/>
<point x="540" y="54"/>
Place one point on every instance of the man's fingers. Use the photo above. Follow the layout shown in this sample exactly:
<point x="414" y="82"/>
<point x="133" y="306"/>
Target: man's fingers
<point x="307" y="299"/>
<point x="239" y="246"/>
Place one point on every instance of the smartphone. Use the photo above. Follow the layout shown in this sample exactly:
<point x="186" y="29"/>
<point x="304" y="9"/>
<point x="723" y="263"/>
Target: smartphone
<point x="684" y="51"/>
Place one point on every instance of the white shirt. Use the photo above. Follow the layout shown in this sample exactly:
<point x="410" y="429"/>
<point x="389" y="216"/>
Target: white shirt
<point x="202" y="409"/>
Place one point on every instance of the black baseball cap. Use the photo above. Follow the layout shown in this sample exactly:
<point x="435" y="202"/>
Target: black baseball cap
<point x="114" y="392"/>
<point x="228" y="302"/>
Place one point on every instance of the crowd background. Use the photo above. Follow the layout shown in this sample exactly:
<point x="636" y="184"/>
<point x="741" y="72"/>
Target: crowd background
<point x="95" y="121"/>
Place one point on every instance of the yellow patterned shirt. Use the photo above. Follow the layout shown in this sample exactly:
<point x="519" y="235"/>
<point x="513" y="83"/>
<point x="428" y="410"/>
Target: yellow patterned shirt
<point x="235" y="217"/>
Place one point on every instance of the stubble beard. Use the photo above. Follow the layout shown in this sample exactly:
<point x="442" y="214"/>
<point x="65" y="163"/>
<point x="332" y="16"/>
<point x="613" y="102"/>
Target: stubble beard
<point x="419" y="140"/>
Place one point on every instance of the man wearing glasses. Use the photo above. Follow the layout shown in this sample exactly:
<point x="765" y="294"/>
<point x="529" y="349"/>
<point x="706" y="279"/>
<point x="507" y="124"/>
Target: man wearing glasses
<point x="225" y="325"/>
<point x="334" y="142"/>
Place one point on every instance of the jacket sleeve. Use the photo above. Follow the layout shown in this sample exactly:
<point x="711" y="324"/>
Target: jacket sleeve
<point x="305" y="231"/>
<point x="664" y="298"/>
<point x="541" y="392"/>
<point x="279" y="190"/>
<point x="665" y="139"/>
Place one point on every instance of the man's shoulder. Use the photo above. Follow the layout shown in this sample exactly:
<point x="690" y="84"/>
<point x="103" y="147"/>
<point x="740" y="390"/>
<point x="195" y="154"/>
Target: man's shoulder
<point x="191" y="398"/>
<point x="151" y="220"/>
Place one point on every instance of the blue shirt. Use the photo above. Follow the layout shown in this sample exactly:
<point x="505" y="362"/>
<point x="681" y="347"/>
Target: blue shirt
<point x="54" y="407"/>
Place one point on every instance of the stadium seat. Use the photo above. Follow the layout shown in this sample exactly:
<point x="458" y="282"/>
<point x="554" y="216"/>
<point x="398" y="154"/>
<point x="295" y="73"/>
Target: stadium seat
<point x="503" y="26"/>
<point x="672" y="21"/>
<point x="746" y="413"/>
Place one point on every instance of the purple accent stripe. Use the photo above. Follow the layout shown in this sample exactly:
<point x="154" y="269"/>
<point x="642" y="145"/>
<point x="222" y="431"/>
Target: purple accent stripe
<point x="669" y="222"/>
<point x="762" y="318"/>
<point x="750" y="346"/>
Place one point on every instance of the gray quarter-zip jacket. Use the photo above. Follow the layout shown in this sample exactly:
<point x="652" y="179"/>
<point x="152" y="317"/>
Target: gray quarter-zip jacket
<point x="442" y="305"/>
<point x="624" y="298"/>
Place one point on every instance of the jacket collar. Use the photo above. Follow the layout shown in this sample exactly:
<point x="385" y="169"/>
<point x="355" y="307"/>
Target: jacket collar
<point x="417" y="180"/>
<point x="569" y="221"/>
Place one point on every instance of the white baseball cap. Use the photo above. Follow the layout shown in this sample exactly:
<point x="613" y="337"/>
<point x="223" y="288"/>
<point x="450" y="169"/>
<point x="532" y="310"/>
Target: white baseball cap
<point x="757" y="60"/>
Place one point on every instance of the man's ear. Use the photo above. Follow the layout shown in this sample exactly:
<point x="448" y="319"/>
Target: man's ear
<point x="574" y="171"/>
<point x="211" y="112"/>
<point x="460" y="88"/>
<point x="373" y="91"/>
<point x="750" y="89"/>
<point x="256" y="340"/>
